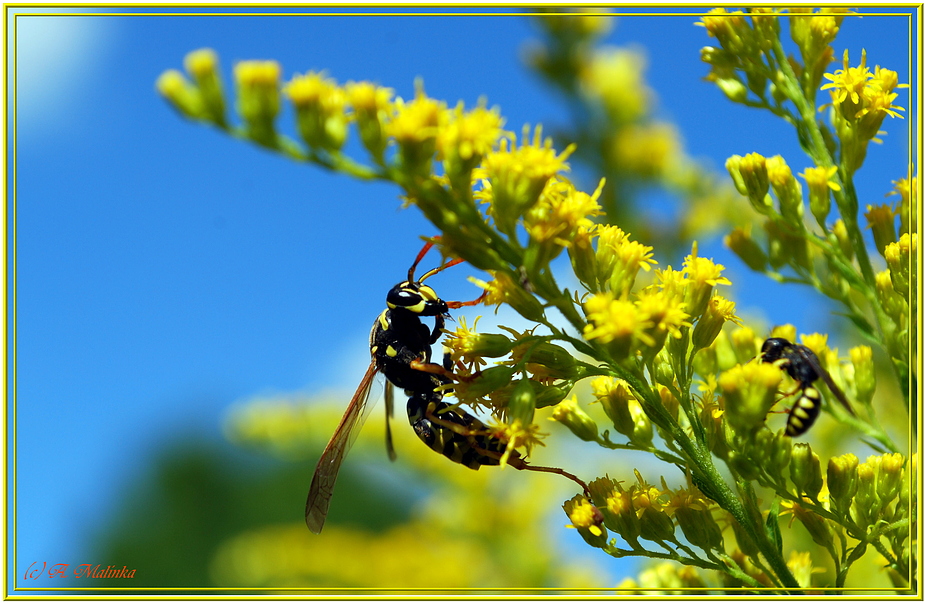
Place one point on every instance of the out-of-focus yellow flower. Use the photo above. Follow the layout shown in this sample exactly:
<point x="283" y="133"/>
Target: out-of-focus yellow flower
<point x="372" y="108"/>
<point x="616" y="77"/>
<point x="647" y="151"/>
<point x="399" y="558"/>
<point x="749" y="392"/>
<point x="320" y="106"/>
<point x="258" y="96"/>
<point x="820" y="181"/>
<point x="468" y="137"/>
<point x="414" y="127"/>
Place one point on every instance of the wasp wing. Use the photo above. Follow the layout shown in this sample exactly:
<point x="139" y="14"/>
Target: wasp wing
<point x="322" y="488"/>
<point x="807" y="355"/>
<point x="389" y="408"/>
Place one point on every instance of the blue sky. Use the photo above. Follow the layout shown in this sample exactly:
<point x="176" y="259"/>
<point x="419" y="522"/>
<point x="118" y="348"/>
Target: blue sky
<point x="164" y="271"/>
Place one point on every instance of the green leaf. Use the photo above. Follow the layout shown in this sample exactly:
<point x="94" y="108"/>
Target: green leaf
<point x="772" y="525"/>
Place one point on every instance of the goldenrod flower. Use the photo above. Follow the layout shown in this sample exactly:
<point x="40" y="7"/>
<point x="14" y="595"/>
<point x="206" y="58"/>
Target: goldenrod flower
<point x="842" y="480"/>
<point x="654" y="522"/>
<point x="907" y="189"/>
<point x="819" y="180"/>
<point x="740" y="241"/>
<point x="505" y="290"/>
<point x="718" y="312"/>
<point x="587" y="519"/>
<point x="517" y="434"/>
<point x="472" y="348"/>
<point x="518" y="175"/>
<point x="881" y="220"/>
<point x="664" y="314"/>
<point x="693" y="513"/>
<point x="703" y="274"/>
<point x="801" y="565"/>
<point x="750" y="176"/>
<point x="788" y="191"/>
<point x="616" y="322"/>
<point x="615" y="397"/>
<point x="560" y="211"/>
<point x="619" y="259"/>
<point x="730" y="29"/>
<point x="898" y="258"/>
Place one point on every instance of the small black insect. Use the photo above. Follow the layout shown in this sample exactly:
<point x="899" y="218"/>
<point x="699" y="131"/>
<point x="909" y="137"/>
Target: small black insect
<point x="803" y="367"/>
<point x="400" y="348"/>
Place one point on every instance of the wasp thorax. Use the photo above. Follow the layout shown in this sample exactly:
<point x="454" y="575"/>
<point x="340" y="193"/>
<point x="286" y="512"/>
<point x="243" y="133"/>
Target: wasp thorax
<point x="416" y="298"/>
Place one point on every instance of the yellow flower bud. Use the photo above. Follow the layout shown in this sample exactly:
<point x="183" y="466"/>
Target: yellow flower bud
<point x="842" y="479"/>
<point x="572" y="416"/>
<point x="805" y="470"/>
<point x="740" y="241"/>
<point x="750" y="175"/>
<point x="184" y="97"/>
<point x="203" y="66"/>
<point x="864" y="379"/>
<point x="749" y="392"/>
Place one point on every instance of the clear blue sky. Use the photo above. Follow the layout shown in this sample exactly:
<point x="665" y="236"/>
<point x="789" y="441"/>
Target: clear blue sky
<point x="164" y="271"/>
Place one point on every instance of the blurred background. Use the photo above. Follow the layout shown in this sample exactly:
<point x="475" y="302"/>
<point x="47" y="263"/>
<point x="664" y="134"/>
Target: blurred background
<point x="189" y="314"/>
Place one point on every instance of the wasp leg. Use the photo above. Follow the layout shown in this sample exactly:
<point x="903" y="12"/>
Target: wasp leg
<point x="443" y="371"/>
<point x="521" y="464"/>
<point x="474" y="302"/>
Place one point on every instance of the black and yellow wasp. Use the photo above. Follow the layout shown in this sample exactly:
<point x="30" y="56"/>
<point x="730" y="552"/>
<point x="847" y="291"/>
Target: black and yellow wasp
<point x="400" y="348"/>
<point x="803" y="367"/>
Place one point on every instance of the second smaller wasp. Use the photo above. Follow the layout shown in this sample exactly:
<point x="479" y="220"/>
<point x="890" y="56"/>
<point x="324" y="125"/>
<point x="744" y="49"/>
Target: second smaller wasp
<point x="803" y="367"/>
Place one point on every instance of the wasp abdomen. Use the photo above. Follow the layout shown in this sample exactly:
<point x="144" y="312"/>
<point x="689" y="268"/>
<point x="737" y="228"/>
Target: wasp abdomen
<point x="472" y="450"/>
<point x="805" y="412"/>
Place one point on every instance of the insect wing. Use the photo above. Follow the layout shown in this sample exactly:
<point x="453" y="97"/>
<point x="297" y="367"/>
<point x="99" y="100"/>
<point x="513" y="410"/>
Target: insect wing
<point x="389" y="408"/>
<point x="810" y="358"/>
<point x="322" y="488"/>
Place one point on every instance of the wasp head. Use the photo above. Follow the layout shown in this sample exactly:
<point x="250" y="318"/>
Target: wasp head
<point x="416" y="298"/>
<point x="774" y="349"/>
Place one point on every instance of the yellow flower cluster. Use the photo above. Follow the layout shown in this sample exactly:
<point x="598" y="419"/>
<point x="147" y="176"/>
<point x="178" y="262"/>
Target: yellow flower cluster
<point x="629" y="323"/>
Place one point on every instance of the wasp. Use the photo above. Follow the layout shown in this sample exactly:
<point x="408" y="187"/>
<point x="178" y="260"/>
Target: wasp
<point x="803" y="367"/>
<point x="400" y="348"/>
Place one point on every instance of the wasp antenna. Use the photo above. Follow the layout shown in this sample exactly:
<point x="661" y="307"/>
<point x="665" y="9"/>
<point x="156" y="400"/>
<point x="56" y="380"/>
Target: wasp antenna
<point x="418" y="259"/>
<point x="434" y="271"/>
